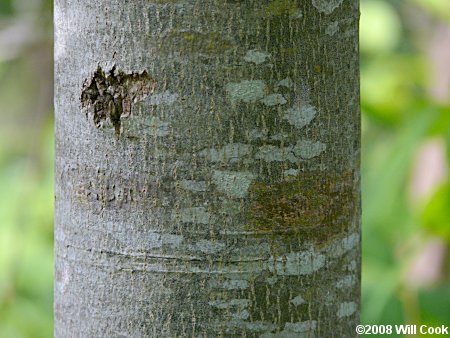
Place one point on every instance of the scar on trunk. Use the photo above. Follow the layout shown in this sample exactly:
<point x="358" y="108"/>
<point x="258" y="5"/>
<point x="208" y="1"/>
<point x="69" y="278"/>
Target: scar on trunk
<point x="110" y="95"/>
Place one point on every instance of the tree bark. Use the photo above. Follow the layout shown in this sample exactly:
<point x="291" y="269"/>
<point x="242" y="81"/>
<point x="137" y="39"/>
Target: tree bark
<point x="207" y="168"/>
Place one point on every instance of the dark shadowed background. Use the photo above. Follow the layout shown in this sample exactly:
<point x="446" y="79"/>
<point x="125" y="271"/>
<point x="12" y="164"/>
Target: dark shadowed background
<point x="405" y="99"/>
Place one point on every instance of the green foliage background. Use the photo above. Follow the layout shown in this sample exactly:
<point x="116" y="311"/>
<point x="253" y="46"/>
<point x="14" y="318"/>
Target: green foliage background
<point x="400" y="114"/>
<point x="403" y="110"/>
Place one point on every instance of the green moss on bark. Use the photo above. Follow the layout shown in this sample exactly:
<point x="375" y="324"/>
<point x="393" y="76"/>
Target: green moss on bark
<point x="316" y="205"/>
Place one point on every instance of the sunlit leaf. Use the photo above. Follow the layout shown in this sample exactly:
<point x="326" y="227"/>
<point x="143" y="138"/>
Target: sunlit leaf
<point x="436" y="215"/>
<point x="380" y="28"/>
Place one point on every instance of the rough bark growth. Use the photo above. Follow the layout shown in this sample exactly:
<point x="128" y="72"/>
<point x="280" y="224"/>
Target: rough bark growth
<point x="110" y="95"/>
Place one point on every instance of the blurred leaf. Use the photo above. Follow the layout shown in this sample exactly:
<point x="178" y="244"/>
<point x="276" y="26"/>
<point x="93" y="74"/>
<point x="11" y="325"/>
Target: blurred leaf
<point x="438" y="8"/>
<point x="386" y="175"/>
<point x="436" y="214"/>
<point x="26" y="255"/>
<point x="435" y="305"/>
<point x="389" y="87"/>
<point x="380" y="283"/>
<point x="441" y="125"/>
<point x="380" y="28"/>
<point x="6" y="7"/>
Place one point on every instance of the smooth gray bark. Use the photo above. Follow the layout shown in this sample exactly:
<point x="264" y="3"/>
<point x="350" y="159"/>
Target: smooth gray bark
<point x="207" y="168"/>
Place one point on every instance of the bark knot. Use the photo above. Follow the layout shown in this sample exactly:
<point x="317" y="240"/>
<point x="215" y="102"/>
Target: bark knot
<point x="108" y="96"/>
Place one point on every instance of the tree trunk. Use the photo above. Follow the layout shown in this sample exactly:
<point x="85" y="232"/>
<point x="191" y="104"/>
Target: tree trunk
<point x="207" y="168"/>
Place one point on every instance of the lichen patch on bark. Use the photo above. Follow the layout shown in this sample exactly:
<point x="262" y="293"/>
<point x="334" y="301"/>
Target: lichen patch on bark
<point x="287" y="82"/>
<point x="274" y="100"/>
<point x="303" y="149"/>
<point x="300" y="116"/>
<point x="231" y="153"/>
<point x="246" y="91"/>
<point x="256" y="56"/>
<point x="346" y="309"/>
<point x="233" y="183"/>
<point x="109" y="95"/>
<point x="326" y="6"/>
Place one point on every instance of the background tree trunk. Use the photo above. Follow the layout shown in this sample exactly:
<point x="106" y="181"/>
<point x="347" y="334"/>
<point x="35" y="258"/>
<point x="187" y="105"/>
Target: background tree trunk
<point x="207" y="168"/>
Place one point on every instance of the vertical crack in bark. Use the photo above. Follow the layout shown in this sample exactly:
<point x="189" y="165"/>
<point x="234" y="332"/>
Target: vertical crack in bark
<point x="110" y="95"/>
